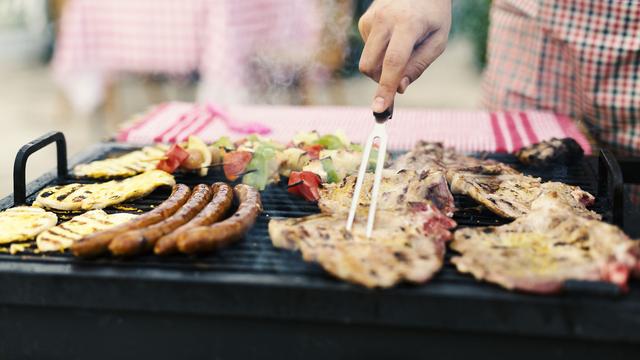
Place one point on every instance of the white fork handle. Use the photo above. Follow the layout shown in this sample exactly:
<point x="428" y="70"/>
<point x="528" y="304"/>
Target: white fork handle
<point x="382" y="149"/>
<point x="363" y="168"/>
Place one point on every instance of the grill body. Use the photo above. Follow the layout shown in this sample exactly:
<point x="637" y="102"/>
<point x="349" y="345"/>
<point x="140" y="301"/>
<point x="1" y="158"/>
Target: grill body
<point x="252" y="300"/>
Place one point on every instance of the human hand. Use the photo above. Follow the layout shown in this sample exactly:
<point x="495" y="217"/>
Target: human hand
<point x="402" y="38"/>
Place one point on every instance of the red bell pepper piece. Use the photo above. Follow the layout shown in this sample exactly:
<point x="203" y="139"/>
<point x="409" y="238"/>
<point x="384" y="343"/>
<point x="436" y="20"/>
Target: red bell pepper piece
<point x="305" y="184"/>
<point x="235" y="163"/>
<point x="175" y="156"/>
<point x="313" y="151"/>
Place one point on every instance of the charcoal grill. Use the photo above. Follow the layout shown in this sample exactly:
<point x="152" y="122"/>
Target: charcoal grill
<point x="252" y="300"/>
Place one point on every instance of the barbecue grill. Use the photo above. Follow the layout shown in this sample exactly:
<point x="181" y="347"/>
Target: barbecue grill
<point x="252" y="300"/>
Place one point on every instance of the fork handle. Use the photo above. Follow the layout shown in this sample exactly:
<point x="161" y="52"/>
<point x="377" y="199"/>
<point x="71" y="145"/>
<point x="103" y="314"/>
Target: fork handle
<point x="385" y="115"/>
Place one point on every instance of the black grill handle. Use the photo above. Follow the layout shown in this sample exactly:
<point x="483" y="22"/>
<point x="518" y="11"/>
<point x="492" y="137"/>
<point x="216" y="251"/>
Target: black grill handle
<point x="630" y="169"/>
<point x="20" y="164"/>
<point x="611" y="184"/>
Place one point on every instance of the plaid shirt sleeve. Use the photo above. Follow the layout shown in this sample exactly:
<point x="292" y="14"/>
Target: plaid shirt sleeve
<point x="579" y="58"/>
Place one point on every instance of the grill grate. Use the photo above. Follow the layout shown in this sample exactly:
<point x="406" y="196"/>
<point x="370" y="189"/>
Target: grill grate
<point x="255" y="254"/>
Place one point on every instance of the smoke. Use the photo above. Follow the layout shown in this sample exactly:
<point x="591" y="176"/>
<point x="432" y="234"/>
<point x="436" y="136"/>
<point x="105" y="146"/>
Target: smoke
<point x="318" y="48"/>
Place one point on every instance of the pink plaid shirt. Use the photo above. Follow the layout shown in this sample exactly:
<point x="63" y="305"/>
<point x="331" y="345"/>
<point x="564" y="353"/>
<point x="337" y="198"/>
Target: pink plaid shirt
<point x="579" y="58"/>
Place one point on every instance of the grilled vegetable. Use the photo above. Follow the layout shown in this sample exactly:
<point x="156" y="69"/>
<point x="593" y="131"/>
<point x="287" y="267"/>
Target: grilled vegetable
<point x="332" y="175"/>
<point x="24" y="223"/>
<point x="313" y="151"/>
<point x="224" y="142"/>
<point x="305" y="184"/>
<point x="330" y="142"/>
<point x="219" y="148"/>
<point x="235" y="163"/>
<point x="305" y="138"/>
<point x="196" y="146"/>
<point x="61" y="237"/>
<point x="292" y="159"/>
<point x="102" y="195"/>
<point x="174" y="157"/>
<point x="263" y="167"/>
<point x="130" y="164"/>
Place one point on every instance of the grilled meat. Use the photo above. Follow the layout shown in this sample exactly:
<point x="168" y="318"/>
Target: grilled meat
<point x="24" y="223"/>
<point x="397" y="189"/>
<point x="430" y="155"/>
<point x="425" y="155"/>
<point x="570" y="197"/>
<point x="102" y="195"/>
<point x="98" y="243"/>
<point x="61" y="237"/>
<point x="406" y="244"/>
<point x="129" y="164"/>
<point x="215" y="210"/>
<point x="551" y="151"/>
<point x="540" y="251"/>
<point x="139" y="241"/>
<point x="204" y="238"/>
<point x="511" y="195"/>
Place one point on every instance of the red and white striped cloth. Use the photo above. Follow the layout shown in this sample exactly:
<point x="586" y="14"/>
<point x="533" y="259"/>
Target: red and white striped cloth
<point x="468" y="131"/>
<point x="218" y="38"/>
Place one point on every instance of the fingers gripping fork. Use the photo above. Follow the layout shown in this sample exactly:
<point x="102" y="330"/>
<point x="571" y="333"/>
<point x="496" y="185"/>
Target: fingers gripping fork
<point x="379" y="132"/>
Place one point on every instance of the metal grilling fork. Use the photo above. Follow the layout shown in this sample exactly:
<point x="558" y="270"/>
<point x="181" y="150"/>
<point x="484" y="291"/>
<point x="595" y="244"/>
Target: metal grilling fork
<point x="379" y="132"/>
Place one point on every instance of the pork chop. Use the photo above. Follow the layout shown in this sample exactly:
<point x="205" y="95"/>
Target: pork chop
<point x="405" y="245"/>
<point x="540" y="251"/>
<point x="397" y="189"/>
<point x="552" y="151"/>
<point x="512" y="195"/>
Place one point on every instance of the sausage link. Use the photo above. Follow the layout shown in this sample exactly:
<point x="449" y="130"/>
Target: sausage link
<point x="142" y="240"/>
<point x="98" y="243"/>
<point x="208" y="238"/>
<point x="213" y="212"/>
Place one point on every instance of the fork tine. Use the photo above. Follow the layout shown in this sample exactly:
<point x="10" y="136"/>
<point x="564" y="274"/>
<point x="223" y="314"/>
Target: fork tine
<point x="382" y="149"/>
<point x="356" y="193"/>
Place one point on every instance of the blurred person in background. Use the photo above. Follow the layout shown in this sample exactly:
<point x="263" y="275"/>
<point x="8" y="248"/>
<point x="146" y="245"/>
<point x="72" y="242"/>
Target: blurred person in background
<point x="579" y="58"/>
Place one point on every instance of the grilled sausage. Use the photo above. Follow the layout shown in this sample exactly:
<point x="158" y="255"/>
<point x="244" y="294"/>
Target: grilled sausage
<point x="98" y="243"/>
<point x="142" y="240"/>
<point x="208" y="238"/>
<point x="213" y="212"/>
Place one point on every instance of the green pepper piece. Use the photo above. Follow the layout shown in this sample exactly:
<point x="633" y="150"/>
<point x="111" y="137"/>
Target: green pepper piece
<point x="330" y="169"/>
<point x="330" y="142"/>
<point x="260" y="172"/>
<point x="224" y="142"/>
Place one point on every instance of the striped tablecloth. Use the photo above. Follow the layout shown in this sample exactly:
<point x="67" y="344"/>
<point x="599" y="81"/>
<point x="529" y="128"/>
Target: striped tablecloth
<point x="468" y="131"/>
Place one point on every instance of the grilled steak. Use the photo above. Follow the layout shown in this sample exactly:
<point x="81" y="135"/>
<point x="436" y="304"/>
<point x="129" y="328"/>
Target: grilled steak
<point x="102" y="195"/>
<point x="573" y="198"/>
<point x="551" y="151"/>
<point x="540" y="251"/>
<point x="429" y="155"/>
<point x="397" y="189"/>
<point x="24" y="223"/>
<point x="405" y="245"/>
<point x="511" y="195"/>
<point x="64" y="235"/>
